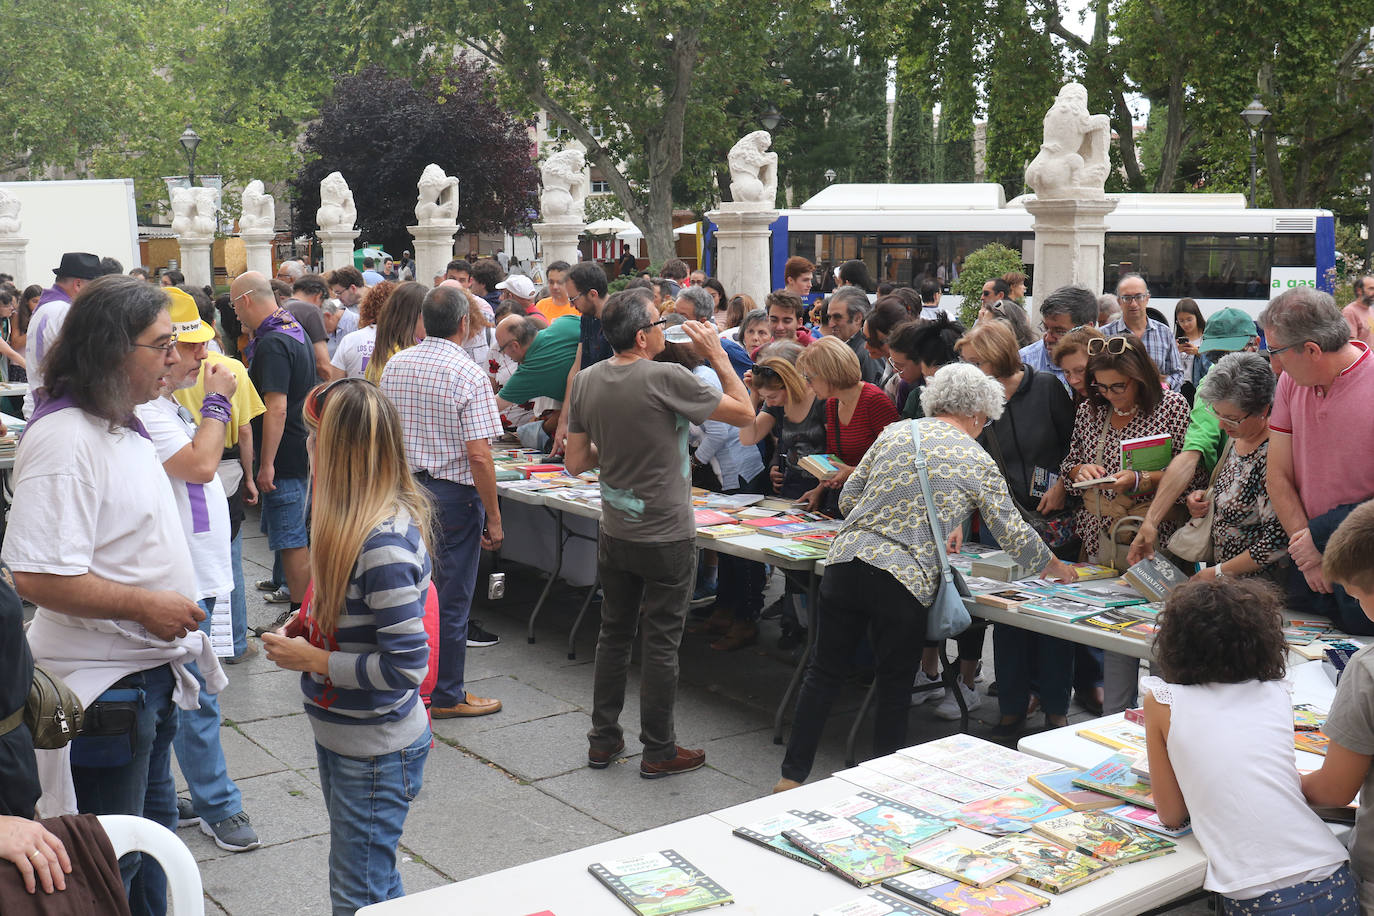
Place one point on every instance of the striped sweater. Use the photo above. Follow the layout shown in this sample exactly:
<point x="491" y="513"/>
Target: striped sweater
<point x="370" y="704"/>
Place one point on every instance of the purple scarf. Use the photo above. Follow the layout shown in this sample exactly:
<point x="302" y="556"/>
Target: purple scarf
<point x="47" y="405"/>
<point x="280" y="320"/>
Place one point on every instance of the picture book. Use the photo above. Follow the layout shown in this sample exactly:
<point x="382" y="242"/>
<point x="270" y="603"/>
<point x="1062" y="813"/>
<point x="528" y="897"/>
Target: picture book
<point x="796" y="551"/>
<point x="659" y="883"/>
<point x="1104" y="837"/>
<point x="1046" y="865"/>
<point x="821" y="467"/>
<point x="1122" y="735"/>
<point x="900" y="791"/>
<point x="850" y="851"/>
<point x="1059" y="786"/>
<point x="1101" y="594"/>
<point x="979" y="760"/>
<point x="932" y="779"/>
<point x="877" y="903"/>
<point x="1145" y="817"/>
<point x="954" y="860"/>
<point x="715" y="532"/>
<point x="1059" y="609"/>
<point x="955" y="898"/>
<point x="768" y="834"/>
<point x="1314" y="742"/>
<point x="1114" y="777"/>
<point x="706" y="517"/>
<point x="887" y="817"/>
<point x="1154" y="577"/>
<point x="1147" y="453"/>
<point x="1010" y="812"/>
<point x="1008" y="598"/>
<point x="1308" y="718"/>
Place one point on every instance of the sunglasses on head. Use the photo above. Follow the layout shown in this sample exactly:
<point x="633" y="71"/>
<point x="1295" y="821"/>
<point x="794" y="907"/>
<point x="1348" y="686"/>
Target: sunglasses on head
<point x="1113" y="345"/>
<point x="314" y="401"/>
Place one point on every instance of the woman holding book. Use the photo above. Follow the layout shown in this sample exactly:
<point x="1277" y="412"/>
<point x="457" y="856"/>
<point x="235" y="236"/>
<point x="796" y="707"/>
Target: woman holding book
<point x="1247" y="537"/>
<point x="361" y="644"/>
<point x="884" y="567"/>
<point x="1219" y="733"/>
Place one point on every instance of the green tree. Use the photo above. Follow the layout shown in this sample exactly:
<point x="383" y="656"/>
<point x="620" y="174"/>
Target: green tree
<point x="913" y="133"/>
<point x="986" y="263"/>
<point x="1024" y="75"/>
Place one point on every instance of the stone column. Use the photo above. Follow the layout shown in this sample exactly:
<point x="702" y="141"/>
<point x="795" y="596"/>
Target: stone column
<point x="13" y="258"/>
<point x="742" y="257"/>
<point x="195" y="259"/>
<point x="1069" y="242"/>
<point x="433" y="250"/>
<point x="558" y="240"/>
<point x="338" y="247"/>
<point x="257" y="247"/>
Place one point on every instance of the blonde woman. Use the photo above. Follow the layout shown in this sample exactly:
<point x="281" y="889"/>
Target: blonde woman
<point x="360" y="643"/>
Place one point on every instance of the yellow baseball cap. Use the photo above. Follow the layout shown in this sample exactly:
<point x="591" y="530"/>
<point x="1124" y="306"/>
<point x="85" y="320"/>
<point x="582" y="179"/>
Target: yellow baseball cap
<point x="186" y="322"/>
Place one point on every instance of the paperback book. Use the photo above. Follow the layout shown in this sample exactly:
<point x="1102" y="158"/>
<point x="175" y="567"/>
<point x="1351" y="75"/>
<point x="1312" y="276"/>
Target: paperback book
<point x="1091" y="572"/>
<point x="1147" y="818"/>
<point x="999" y="565"/>
<point x="957" y="861"/>
<point x="1010" y="812"/>
<point x="1308" y="718"/>
<point x="797" y="551"/>
<point x="1122" y="735"/>
<point x="1154" y="577"/>
<point x="1115" y="777"/>
<point x="1059" y="609"/>
<point x="900" y="791"/>
<point x="865" y="836"/>
<point x="1114" y="621"/>
<point x="768" y="834"/>
<point x="1102" y="594"/>
<point x="1147" y="453"/>
<point x="1060" y="787"/>
<point x="1046" y="865"/>
<point x="930" y="778"/>
<point x="659" y="884"/>
<point x="705" y="517"/>
<point x="715" y="532"/>
<point x="821" y="467"/>
<point x="877" y="903"/>
<point x="1008" y="598"/>
<point x="979" y="760"/>
<point x="1314" y="742"/>
<point x="1104" y="837"/>
<point x="938" y="894"/>
<point x="795" y="529"/>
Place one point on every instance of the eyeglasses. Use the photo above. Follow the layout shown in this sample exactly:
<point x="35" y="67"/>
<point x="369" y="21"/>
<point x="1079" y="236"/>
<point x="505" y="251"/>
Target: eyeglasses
<point x="985" y="293"/>
<point x="987" y="421"/>
<point x="1131" y="298"/>
<point x="166" y="348"/>
<point x="653" y="324"/>
<point x="1113" y="345"/>
<point x="1275" y="351"/>
<point x="1113" y="388"/>
<point x="1229" y="421"/>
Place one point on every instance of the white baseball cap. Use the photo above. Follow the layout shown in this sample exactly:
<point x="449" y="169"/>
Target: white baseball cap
<point x="519" y="285"/>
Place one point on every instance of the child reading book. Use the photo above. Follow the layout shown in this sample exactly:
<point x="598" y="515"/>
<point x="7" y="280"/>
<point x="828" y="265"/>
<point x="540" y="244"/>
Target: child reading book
<point x="1219" y="733"/>
<point x="1348" y="561"/>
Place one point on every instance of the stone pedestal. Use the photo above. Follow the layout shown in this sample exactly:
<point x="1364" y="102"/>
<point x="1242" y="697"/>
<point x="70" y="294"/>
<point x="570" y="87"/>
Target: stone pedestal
<point x="742" y="260"/>
<point x="559" y="240"/>
<point x="195" y="259"/>
<point x="338" y="247"/>
<point x="257" y="250"/>
<point x="1069" y="241"/>
<point x="433" y="250"/>
<point x="13" y="254"/>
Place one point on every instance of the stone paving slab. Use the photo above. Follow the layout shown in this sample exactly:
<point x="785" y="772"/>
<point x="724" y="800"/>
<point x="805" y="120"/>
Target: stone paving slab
<point x="619" y="797"/>
<point x="520" y="702"/>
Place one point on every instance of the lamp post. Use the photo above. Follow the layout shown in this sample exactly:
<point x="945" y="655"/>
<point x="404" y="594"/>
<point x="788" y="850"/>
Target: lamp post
<point x="829" y="176"/>
<point x="771" y="118"/>
<point x="1255" y="115"/>
<point x="189" y="140"/>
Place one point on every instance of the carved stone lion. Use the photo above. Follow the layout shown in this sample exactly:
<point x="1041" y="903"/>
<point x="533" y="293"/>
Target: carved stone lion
<point x="337" y="211"/>
<point x="206" y="218"/>
<point x="1073" y="161"/>
<point x="754" y="170"/>
<point x="9" y="214"/>
<point x="183" y="211"/>
<point x="566" y="185"/>
<point x="259" y="209"/>
<point x="438" y="202"/>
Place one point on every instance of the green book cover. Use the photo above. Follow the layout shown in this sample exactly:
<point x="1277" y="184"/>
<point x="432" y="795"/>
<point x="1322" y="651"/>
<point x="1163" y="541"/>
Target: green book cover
<point x="1147" y="453"/>
<point x="659" y="884"/>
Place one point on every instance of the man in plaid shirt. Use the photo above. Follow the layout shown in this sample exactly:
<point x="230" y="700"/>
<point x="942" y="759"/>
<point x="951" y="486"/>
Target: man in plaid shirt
<point x="449" y="417"/>
<point x="1159" y="342"/>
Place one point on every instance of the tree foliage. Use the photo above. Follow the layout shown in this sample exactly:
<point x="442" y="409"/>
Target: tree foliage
<point x="381" y="131"/>
<point x="984" y="264"/>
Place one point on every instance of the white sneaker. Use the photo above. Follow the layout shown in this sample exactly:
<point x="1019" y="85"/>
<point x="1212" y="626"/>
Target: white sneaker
<point x="924" y="696"/>
<point x="949" y="707"/>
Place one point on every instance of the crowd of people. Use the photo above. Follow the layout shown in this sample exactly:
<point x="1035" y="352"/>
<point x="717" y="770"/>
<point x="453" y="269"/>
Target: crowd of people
<point x="357" y="409"/>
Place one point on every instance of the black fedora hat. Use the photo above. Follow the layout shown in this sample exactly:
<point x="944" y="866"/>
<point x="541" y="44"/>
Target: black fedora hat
<point x="78" y="264"/>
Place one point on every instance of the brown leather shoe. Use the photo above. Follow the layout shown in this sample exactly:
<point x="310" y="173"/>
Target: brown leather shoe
<point x="684" y="762"/>
<point x="599" y="760"/>
<point x="785" y="785"/>
<point x="715" y="625"/>
<point x="742" y="633"/>
<point x="472" y="706"/>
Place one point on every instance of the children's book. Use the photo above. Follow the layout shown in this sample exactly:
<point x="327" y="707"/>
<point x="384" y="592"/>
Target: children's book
<point x="865" y="836"/>
<point x="877" y="903"/>
<point x="659" y="883"/>
<point x="930" y="778"/>
<point x="1104" y="837"/>
<point x="887" y="817"/>
<point x="1114" y="776"/>
<point x="1059" y="786"/>
<point x="768" y="834"/>
<point x="955" y="898"/>
<point x="1314" y="742"/>
<point x="1147" y="818"/>
<point x="1147" y="453"/>
<point x="900" y="791"/>
<point x="954" y="860"/>
<point x="1046" y="865"/>
<point x="1122" y="735"/>
<point x="715" y="532"/>
<point x="1059" y="609"/>
<point x="1010" y="812"/>
<point x="1308" y="718"/>
<point x="979" y="760"/>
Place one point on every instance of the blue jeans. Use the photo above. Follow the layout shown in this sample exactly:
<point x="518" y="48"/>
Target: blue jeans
<point x="199" y="754"/>
<point x="1016" y="653"/>
<point x="367" y="799"/>
<point x="238" y="601"/>
<point x="1329" y="896"/>
<point x="132" y="774"/>
<point x="461" y="519"/>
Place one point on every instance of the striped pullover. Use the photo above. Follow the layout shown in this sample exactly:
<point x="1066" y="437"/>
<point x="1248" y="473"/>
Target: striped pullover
<point x="370" y="704"/>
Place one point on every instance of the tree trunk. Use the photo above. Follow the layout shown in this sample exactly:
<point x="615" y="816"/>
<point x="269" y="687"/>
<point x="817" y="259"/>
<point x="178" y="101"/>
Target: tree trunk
<point x="1175" y="137"/>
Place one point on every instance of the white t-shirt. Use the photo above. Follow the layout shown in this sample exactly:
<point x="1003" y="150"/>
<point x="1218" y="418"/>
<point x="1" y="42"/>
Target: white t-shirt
<point x="43" y="332"/>
<point x="202" y="507"/>
<point x="87" y="500"/>
<point x="348" y="323"/>
<point x="354" y="351"/>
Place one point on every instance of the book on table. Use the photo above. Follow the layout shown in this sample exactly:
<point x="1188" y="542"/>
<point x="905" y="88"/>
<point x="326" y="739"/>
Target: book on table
<point x="1009" y="812"/>
<point x="1104" y="837"/>
<point x="1314" y="742"/>
<point x="1108" y="594"/>
<point x="796" y="550"/>
<point x="768" y="834"/>
<point x="1308" y="718"/>
<point x="1059" y="609"/>
<point x="1059" y="786"/>
<point x="1046" y="865"/>
<point x="1145" y="817"/>
<point x="938" y="894"/>
<point x="865" y="836"/>
<point x="1154" y="577"/>
<point x="1092" y="572"/>
<point x="715" y="532"/>
<point x="769" y="521"/>
<point x="1008" y="598"/>
<point x="998" y="565"/>
<point x="1147" y="453"/>
<point x="1113" y="620"/>
<point x="962" y="863"/>
<point x="795" y="529"/>
<point x="1121" y="735"/>
<point x="877" y="903"/>
<point x="659" y="883"/>
<point x="821" y="467"/>
<point x="707" y="517"/>
<point x="1115" y="776"/>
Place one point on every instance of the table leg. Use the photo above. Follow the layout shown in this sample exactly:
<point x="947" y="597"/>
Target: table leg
<point x="558" y="541"/>
<point x="812" y="612"/>
<point x="586" y="603"/>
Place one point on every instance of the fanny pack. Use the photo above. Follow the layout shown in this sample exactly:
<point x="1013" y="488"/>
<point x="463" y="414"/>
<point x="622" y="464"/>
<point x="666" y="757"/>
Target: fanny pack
<point x="52" y="712"/>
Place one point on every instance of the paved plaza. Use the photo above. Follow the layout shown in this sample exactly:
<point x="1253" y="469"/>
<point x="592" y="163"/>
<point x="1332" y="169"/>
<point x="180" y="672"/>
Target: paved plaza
<point x="513" y="787"/>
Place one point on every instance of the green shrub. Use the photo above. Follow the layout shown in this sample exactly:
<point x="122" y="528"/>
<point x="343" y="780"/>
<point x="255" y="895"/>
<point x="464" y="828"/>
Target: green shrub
<point x="987" y="263"/>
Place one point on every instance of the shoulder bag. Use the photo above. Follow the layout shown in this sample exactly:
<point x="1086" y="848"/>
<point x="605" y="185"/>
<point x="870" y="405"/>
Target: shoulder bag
<point x="947" y="616"/>
<point x="1055" y="529"/>
<point x="1193" y="541"/>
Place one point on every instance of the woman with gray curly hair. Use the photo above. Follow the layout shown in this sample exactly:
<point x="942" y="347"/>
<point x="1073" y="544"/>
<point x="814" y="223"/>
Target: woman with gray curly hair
<point x="883" y="569"/>
<point x="1247" y="537"/>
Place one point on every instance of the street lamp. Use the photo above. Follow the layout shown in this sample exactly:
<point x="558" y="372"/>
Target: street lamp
<point x="1255" y="115"/>
<point x="771" y="118"/>
<point x="189" y="141"/>
<point x="829" y="176"/>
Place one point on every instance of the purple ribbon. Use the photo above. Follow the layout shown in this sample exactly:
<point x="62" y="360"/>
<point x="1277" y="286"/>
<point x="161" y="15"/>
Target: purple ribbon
<point x="281" y="321"/>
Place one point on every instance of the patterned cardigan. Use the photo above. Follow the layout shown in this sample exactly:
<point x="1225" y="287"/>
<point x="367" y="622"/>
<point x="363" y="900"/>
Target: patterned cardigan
<point x="886" y="524"/>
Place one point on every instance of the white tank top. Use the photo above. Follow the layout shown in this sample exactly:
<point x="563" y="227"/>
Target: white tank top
<point x="1231" y="747"/>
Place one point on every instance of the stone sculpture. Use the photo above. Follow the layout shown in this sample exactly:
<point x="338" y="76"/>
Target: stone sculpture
<point x="337" y="212"/>
<point x="438" y="202"/>
<point x="183" y="211"/>
<point x="9" y="214"/>
<point x="754" y="170"/>
<point x="259" y="210"/>
<point x="1073" y="160"/>
<point x="566" y="185"/>
<point x="206" y="218"/>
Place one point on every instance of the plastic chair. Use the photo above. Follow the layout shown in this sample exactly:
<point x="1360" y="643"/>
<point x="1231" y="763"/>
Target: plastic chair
<point x="136" y="834"/>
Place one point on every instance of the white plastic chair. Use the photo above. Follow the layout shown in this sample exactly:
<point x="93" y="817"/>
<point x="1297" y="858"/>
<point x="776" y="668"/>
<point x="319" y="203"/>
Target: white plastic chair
<point x="136" y="834"/>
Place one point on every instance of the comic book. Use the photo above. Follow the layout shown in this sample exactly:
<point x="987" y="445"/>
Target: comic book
<point x="865" y="836"/>
<point x="1115" y="777"/>
<point x="930" y="778"/>
<point x="1314" y="742"/>
<point x="659" y="883"/>
<point x="1147" y="818"/>
<point x="1308" y="718"/>
<point x="768" y="834"/>
<point x="955" y="898"/>
<point x="1102" y="836"/>
<point x="900" y="791"/>
<point x="1059" y="786"/>
<point x="979" y="760"/>
<point x="874" y="904"/>
<point x="1121" y="735"/>
<point x="1010" y="812"/>
<point x="1046" y="865"/>
<point x="954" y="860"/>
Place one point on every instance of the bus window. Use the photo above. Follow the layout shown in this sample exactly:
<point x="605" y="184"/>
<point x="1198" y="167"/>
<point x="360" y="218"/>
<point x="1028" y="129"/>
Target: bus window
<point x="1226" y="266"/>
<point x="1295" y="251"/>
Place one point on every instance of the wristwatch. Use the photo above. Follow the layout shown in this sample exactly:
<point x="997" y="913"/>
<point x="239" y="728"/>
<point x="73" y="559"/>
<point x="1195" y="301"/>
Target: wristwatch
<point x="1221" y="573"/>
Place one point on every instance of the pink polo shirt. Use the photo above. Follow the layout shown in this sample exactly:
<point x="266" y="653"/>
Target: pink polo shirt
<point x="1332" y="435"/>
